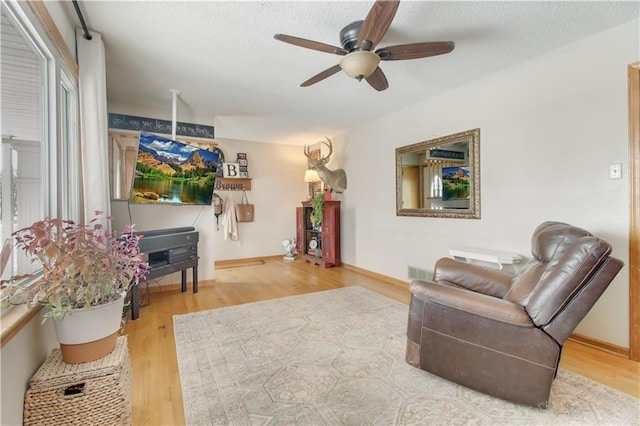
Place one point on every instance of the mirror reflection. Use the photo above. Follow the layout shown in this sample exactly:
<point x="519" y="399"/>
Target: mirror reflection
<point x="440" y="177"/>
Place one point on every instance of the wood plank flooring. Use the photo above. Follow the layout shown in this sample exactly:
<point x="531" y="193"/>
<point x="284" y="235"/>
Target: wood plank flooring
<point x="157" y="395"/>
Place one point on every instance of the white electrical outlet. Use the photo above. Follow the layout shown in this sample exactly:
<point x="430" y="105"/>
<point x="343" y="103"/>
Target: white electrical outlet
<point x="615" y="171"/>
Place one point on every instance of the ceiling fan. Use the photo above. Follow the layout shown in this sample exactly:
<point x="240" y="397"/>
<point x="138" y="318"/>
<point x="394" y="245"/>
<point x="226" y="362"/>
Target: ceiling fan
<point x="358" y="40"/>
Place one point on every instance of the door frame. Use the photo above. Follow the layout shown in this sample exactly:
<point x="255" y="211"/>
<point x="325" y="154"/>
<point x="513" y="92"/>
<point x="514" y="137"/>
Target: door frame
<point x="633" y="73"/>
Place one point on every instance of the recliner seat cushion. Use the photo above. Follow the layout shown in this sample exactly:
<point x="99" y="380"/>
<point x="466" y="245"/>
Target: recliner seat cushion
<point x="524" y="284"/>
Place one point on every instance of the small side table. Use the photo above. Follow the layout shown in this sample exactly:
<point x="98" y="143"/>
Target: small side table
<point x="90" y="393"/>
<point x="497" y="258"/>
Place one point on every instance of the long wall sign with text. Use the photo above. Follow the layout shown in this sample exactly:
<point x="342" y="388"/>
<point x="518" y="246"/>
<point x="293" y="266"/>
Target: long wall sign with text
<point x="443" y="153"/>
<point x="130" y="122"/>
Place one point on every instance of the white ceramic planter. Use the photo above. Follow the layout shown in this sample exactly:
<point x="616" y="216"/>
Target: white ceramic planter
<point x="88" y="325"/>
<point x="88" y="334"/>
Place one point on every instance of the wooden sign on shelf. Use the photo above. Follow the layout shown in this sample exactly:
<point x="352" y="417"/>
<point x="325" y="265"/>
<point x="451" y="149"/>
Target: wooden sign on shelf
<point x="232" y="184"/>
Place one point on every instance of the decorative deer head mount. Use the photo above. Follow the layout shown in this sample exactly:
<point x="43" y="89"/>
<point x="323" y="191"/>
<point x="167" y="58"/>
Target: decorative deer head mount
<point x="334" y="179"/>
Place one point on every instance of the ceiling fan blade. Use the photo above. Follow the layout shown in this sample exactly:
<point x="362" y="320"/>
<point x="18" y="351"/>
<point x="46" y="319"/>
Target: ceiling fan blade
<point x="415" y="50"/>
<point x="310" y="44"/>
<point x="321" y="76"/>
<point x="378" y="80"/>
<point x="377" y="23"/>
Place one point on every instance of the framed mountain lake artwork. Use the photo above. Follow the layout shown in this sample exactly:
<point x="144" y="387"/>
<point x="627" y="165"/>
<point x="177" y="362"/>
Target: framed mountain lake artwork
<point x="172" y="173"/>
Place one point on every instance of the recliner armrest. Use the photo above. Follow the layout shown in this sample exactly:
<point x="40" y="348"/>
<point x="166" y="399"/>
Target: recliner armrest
<point x="471" y="302"/>
<point x="476" y="278"/>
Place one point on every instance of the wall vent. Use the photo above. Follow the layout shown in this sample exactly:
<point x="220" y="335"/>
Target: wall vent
<point x="416" y="273"/>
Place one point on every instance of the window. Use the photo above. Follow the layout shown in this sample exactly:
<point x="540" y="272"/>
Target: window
<point x="39" y="159"/>
<point x="24" y="99"/>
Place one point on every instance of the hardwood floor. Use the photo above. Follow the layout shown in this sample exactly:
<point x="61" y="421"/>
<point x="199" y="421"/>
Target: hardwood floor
<point x="157" y="395"/>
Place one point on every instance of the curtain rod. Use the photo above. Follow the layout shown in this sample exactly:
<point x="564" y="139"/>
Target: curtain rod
<point x="87" y="35"/>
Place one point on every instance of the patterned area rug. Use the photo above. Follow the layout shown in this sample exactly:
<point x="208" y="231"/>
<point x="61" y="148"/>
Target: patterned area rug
<point x="337" y="358"/>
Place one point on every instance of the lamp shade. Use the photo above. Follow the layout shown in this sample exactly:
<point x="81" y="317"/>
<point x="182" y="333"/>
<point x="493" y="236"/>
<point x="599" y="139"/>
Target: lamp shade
<point x="311" y="176"/>
<point x="360" y="64"/>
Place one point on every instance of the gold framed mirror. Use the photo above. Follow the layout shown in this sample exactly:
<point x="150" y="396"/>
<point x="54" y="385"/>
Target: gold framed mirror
<point x="440" y="177"/>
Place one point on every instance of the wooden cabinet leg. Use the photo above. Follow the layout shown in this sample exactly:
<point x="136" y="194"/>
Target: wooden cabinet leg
<point x="135" y="302"/>
<point x="195" y="279"/>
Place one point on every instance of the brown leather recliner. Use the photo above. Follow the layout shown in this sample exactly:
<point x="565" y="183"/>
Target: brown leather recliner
<point x="502" y="333"/>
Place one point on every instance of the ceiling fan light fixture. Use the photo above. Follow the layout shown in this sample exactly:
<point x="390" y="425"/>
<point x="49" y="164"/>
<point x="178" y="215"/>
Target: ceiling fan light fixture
<point x="360" y="64"/>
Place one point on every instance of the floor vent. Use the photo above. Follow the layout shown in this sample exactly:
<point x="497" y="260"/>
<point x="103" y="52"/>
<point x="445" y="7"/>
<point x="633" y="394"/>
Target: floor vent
<point x="415" y="273"/>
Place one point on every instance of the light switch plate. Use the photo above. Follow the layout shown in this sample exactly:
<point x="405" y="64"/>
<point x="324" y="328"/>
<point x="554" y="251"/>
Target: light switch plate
<point x="615" y="171"/>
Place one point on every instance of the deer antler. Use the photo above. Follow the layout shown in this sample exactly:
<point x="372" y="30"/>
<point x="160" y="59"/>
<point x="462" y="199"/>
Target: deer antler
<point x="325" y="158"/>
<point x="330" y="145"/>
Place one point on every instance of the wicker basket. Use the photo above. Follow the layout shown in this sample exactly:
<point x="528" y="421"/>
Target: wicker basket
<point x="90" y="393"/>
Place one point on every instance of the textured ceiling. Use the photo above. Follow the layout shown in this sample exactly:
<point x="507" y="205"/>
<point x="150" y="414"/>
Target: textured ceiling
<point x="222" y="56"/>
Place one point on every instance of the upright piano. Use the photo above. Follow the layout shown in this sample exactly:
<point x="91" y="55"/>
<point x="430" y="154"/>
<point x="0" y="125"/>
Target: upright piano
<point x="168" y="251"/>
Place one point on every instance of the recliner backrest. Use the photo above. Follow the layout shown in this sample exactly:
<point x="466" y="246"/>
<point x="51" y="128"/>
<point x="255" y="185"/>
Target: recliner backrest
<point x="564" y="259"/>
<point x="551" y="239"/>
<point x="565" y="279"/>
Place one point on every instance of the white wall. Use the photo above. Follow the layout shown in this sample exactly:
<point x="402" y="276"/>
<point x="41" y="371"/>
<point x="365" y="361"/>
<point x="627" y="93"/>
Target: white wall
<point x="550" y="128"/>
<point x="64" y="17"/>
<point x="277" y="189"/>
<point x="21" y="357"/>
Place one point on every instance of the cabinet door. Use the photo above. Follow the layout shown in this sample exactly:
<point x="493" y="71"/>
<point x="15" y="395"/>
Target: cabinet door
<point x="300" y="241"/>
<point x="331" y="234"/>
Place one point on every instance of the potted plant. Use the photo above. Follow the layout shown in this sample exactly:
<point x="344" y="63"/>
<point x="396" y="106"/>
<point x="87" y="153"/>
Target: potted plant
<point x="317" y="206"/>
<point x="86" y="272"/>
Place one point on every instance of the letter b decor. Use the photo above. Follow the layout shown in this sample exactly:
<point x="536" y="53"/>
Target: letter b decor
<point x="231" y="170"/>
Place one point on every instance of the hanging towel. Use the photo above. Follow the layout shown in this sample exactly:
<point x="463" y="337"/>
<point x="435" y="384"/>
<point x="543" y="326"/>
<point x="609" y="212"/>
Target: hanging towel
<point x="229" y="220"/>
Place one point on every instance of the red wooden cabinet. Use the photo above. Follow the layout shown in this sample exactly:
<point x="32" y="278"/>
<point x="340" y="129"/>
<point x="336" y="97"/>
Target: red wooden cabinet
<point x="320" y="247"/>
